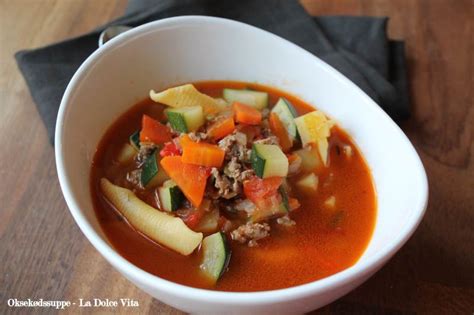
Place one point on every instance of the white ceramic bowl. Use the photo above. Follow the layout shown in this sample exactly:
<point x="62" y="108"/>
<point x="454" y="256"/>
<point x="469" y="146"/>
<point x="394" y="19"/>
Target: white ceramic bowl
<point x="194" y="48"/>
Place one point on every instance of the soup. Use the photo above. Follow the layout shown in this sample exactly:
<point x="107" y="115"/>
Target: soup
<point x="247" y="189"/>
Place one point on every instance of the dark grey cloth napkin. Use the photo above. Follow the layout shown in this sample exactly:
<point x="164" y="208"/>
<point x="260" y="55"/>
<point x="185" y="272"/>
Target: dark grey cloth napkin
<point x="356" y="46"/>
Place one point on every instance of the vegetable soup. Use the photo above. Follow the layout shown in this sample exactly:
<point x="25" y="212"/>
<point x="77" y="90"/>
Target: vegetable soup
<point x="232" y="186"/>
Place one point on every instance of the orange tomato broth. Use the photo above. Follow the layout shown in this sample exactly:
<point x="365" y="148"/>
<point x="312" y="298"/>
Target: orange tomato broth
<point x="322" y="243"/>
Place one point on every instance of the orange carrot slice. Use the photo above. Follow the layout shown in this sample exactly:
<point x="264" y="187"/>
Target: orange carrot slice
<point x="221" y="128"/>
<point x="246" y="114"/>
<point x="190" y="178"/>
<point x="204" y="154"/>
<point x="184" y="140"/>
<point x="153" y="131"/>
<point x="279" y="130"/>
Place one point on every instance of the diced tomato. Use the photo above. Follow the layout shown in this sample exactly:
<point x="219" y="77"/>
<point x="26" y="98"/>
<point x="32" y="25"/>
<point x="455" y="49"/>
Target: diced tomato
<point x="170" y="149"/>
<point x="193" y="218"/>
<point x="250" y="131"/>
<point x="222" y="221"/>
<point x="154" y="131"/>
<point x="257" y="189"/>
<point x="264" y="194"/>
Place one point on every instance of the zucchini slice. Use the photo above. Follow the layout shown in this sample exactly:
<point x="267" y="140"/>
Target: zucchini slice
<point x="216" y="255"/>
<point x="134" y="140"/>
<point x="287" y="113"/>
<point x="185" y="119"/>
<point x="268" y="160"/>
<point x="256" y="99"/>
<point x="171" y="197"/>
<point x="152" y="174"/>
<point x="149" y="169"/>
<point x="165" y="229"/>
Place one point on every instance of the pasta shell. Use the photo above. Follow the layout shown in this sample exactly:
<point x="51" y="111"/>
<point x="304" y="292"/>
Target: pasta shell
<point x="187" y="95"/>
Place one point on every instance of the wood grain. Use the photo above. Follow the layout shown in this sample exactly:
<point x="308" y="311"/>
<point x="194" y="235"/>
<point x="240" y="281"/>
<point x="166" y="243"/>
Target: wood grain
<point x="44" y="255"/>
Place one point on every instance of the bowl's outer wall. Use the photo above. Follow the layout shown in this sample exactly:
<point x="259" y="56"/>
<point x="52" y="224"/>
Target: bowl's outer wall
<point x="186" y="49"/>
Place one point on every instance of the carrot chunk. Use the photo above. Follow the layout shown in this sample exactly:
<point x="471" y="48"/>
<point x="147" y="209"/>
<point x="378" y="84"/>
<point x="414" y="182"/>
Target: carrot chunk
<point x="184" y="140"/>
<point x="221" y="128"/>
<point x="204" y="154"/>
<point x="278" y="129"/>
<point x="153" y="131"/>
<point x="246" y="114"/>
<point x="190" y="178"/>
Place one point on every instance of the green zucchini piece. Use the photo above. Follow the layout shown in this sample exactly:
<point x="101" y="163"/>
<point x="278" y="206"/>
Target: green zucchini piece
<point x="149" y="170"/>
<point x="216" y="255"/>
<point x="159" y="179"/>
<point x="268" y="160"/>
<point x="134" y="140"/>
<point x="287" y="113"/>
<point x="185" y="119"/>
<point x="256" y="99"/>
<point x="171" y="197"/>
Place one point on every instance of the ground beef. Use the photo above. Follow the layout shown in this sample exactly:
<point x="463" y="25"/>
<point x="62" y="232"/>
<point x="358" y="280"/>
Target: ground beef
<point x="235" y="170"/>
<point x="228" y="188"/>
<point x="286" y="221"/>
<point x="174" y="133"/>
<point x="232" y="169"/>
<point x="235" y="145"/>
<point x="197" y="136"/>
<point x="146" y="149"/>
<point x="134" y="177"/>
<point x="250" y="233"/>
<point x="268" y="140"/>
<point x="229" y="182"/>
<point x="245" y="205"/>
<point x="246" y="174"/>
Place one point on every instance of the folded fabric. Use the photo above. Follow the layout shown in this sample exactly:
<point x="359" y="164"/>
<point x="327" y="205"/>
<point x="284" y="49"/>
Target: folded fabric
<point x="356" y="46"/>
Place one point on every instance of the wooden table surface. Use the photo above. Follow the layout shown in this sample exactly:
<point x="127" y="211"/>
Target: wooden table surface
<point x="44" y="255"/>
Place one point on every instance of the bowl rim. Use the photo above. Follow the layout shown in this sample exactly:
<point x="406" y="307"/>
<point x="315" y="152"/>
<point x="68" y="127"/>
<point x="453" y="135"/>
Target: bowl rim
<point x="345" y="276"/>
